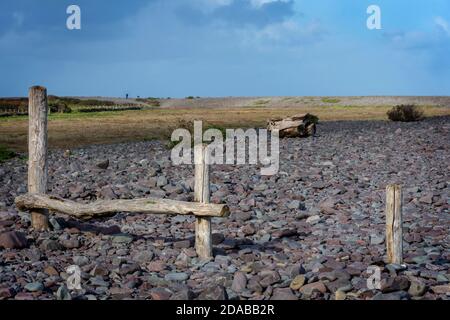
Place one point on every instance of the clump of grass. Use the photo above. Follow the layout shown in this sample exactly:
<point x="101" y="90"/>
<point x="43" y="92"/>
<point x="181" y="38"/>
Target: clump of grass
<point x="405" y="113"/>
<point x="261" y="102"/>
<point x="312" y="119"/>
<point x="153" y="102"/>
<point x="330" y="100"/>
<point x="6" y="154"/>
<point x="108" y="109"/>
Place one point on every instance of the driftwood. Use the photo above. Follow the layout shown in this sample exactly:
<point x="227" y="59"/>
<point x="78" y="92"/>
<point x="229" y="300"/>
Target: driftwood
<point x="104" y="208"/>
<point x="37" y="152"/>
<point x="302" y="125"/>
<point x="394" y="224"/>
<point x="203" y="241"/>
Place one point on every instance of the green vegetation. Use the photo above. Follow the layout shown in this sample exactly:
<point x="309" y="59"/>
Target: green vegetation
<point x="330" y="100"/>
<point x="58" y="107"/>
<point x="312" y="119"/>
<point x="153" y="102"/>
<point x="108" y="109"/>
<point x="190" y="98"/>
<point x="6" y="154"/>
<point x="405" y="113"/>
<point x="261" y="102"/>
<point x="80" y="102"/>
<point x="11" y="107"/>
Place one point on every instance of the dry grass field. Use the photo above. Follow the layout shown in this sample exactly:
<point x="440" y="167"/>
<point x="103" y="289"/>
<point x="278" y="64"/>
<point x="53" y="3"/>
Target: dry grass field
<point x="77" y="129"/>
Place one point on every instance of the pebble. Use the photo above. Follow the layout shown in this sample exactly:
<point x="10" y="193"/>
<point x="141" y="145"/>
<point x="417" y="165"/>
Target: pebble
<point x="313" y="219"/>
<point x="214" y="293"/>
<point x="376" y="239"/>
<point x="63" y="293"/>
<point x="122" y="238"/>
<point x="177" y="276"/>
<point x="160" y="294"/>
<point x="298" y="282"/>
<point x="13" y="240"/>
<point x="51" y="245"/>
<point x="398" y="283"/>
<point x="340" y="295"/>
<point x="239" y="282"/>
<point x="103" y="164"/>
<point x="80" y="260"/>
<point x="283" y="294"/>
<point x="417" y="288"/>
<point x="34" y="286"/>
<point x="442" y="289"/>
<point x="310" y="288"/>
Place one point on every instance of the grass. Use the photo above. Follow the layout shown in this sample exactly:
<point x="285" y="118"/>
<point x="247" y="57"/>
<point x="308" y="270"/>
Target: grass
<point x="330" y="100"/>
<point x="6" y="154"/>
<point x="79" y="129"/>
<point x="261" y="102"/>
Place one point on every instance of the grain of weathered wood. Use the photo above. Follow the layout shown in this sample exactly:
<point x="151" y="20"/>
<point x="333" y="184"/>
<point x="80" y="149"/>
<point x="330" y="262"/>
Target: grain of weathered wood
<point x="37" y="151"/>
<point x="203" y="242"/>
<point x="394" y="232"/>
<point x="104" y="208"/>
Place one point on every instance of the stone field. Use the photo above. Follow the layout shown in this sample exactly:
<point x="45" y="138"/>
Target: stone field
<point x="310" y="232"/>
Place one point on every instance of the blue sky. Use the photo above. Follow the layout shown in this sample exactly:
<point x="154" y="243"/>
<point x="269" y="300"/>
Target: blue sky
<point x="177" y="48"/>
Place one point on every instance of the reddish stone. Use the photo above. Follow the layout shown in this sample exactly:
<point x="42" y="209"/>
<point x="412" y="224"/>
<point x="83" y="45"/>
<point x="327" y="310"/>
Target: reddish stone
<point x="24" y="296"/>
<point x="6" y="293"/>
<point x="156" y="266"/>
<point x="160" y="294"/>
<point x="13" y="240"/>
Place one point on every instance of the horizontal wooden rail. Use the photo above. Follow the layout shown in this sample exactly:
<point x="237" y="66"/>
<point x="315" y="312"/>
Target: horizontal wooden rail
<point x="103" y="208"/>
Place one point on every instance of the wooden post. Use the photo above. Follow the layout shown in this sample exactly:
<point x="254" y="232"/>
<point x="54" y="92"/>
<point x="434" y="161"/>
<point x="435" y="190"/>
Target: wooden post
<point x="394" y="232"/>
<point x="203" y="243"/>
<point x="37" y="151"/>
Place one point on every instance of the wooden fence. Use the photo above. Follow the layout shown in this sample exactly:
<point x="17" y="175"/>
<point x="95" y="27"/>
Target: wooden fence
<point x="39" y="204"/>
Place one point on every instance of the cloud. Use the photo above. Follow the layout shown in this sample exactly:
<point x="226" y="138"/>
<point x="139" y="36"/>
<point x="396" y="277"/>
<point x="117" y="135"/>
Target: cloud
<point x="233" y="13"/>
<point x="443" y="25"/>
<point x="260" y="3"/>
<point x="214" y="4"/>
<point x="434" y="38"/>
<point x="288" y="33"/>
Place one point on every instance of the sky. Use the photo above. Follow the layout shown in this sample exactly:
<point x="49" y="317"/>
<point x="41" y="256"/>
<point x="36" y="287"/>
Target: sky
<point x="220" y="48"/>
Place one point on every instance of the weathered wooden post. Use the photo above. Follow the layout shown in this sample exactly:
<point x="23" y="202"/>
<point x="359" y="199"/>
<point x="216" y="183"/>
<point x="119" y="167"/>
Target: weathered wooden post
<point x="37" y="151"/>
<point x="394" y="232"/>
<point x="203" y="243"/>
